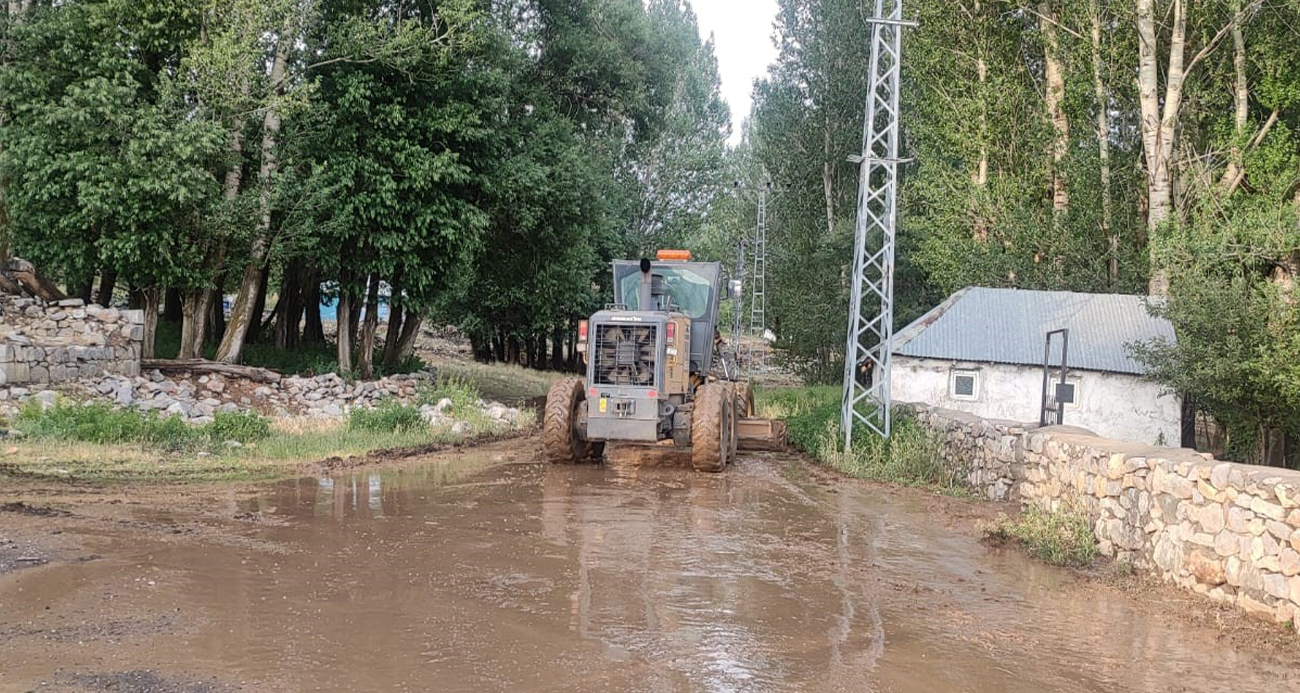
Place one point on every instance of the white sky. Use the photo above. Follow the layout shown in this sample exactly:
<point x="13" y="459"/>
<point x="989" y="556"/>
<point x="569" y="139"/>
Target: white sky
<point x="742" y="32"/>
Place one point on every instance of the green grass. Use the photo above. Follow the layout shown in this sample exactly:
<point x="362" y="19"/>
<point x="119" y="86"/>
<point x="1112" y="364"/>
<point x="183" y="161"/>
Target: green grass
<point x="388" y="417"/>
<point x="1061" y="538"/>
<point x="513" y="385"/>
<point x="101" y="424"/>
<point x="911" y="456"/>
<point x="307" y="359"/>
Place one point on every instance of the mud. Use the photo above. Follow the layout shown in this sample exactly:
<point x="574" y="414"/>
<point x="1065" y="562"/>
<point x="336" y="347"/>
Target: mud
<point x="484" y="569"/>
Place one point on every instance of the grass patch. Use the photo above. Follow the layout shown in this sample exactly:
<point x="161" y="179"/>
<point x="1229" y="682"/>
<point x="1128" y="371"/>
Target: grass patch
<point x="101" y="424"/>
<point x="1062" y="538"/>
<point x="511" y="384"/>
<point x="911" y="456"/>
<point x="388" y="417"/>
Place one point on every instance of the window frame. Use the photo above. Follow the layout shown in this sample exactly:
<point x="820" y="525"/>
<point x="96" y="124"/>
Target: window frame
<point x="974" y="374"/>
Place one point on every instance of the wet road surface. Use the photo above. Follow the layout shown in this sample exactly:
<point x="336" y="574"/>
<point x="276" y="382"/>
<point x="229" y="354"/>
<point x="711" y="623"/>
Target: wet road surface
<point x="485" y="570"/>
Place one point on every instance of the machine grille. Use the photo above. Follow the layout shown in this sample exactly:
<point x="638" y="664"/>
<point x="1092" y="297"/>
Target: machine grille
<point x="625" y="355"/>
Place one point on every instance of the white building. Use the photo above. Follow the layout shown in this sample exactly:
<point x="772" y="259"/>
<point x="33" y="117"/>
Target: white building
<point x="982" y="351"/>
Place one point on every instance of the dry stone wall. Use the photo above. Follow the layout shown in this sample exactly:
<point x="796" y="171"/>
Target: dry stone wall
<point x="1228" y="531"/>
<point x="52" y="343"/>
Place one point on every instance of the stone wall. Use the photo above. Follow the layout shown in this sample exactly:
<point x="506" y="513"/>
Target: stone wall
<point x="1228" y="531"/>
<point x="52" y="343"/>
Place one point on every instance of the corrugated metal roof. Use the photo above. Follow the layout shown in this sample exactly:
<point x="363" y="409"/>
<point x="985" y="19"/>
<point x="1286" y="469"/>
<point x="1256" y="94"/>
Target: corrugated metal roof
<point x="1010" y="326"/>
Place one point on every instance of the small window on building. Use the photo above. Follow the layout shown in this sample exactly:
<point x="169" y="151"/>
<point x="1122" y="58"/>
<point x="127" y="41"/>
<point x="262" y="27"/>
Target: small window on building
<point x="965" y="385"/>
<point x="1067" y="393"/>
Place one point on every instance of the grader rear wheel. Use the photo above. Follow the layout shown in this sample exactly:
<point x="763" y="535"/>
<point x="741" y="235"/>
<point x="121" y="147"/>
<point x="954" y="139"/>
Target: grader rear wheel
<point x="713" y="427"/>
<point x="561" y="438"/>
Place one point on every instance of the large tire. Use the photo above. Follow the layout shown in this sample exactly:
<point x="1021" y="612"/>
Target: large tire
<point x="560" y="435"/>
<point x="712" y="427"/>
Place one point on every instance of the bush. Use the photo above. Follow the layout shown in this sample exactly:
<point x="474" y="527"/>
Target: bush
<point x="1062" y="538"/>
<point x="387" y="417"/>
<point x="244" y="427"/>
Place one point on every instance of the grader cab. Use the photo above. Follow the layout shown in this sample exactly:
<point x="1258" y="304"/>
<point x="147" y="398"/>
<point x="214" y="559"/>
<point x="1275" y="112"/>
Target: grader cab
<point x="650" y="372"/>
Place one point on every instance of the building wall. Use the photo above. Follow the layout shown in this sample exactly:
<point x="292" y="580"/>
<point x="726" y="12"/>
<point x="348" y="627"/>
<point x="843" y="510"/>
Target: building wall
<point x="1228" y="531"/>
<point x="43" y="344"/>
<point x="1116" y="406"/>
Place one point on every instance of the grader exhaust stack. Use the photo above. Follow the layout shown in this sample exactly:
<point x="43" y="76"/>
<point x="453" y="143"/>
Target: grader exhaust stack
<point x="650" y="376"/>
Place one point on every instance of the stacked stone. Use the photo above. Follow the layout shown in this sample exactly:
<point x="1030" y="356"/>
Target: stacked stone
<point x="1226" y="530"/>
<point x="54" y="343"/>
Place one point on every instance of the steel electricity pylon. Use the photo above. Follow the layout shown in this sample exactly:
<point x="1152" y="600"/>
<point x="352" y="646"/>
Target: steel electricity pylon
<point x="867" y="354"/>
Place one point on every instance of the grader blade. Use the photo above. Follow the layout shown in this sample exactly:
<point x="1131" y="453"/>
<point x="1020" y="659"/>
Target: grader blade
<point x="761" y="434"/>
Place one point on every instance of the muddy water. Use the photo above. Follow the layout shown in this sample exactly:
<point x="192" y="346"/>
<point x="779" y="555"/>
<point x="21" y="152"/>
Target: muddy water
<point x="489" y="571"/>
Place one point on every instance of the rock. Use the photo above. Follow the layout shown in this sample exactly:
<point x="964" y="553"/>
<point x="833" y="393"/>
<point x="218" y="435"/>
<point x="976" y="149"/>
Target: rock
<point x="1254" y="607"/>
<point x="1210" y="518"/>
<point x="1206" y="570"/>
<point x="497" y="411"/>
<point x="461" y="428"/>
<point x="123" y="396"/>
<point x="46" y="398"/>
<point x="332" y="409"/>
<point x="228" y="408"/>
<point x="1272" y="511"/>
<point x="233" y="444"/>
<point x="1289" y="562"/>
<point x="1276" y="586"/>
<point x="443" y="405"/>
<point x="1238" y="517"/>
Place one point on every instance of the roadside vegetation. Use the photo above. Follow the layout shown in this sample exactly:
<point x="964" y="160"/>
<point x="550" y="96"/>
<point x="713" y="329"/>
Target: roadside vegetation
<point x="1062" y="538"/>
<point x="911" y="456"/>
<point x="96" y="443"/>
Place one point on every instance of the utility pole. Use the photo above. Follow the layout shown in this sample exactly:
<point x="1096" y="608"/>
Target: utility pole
<point x="758" y="299"/>
<point x="870" y="339"/>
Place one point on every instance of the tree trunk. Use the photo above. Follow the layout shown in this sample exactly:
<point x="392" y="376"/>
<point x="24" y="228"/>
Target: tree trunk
<point x="107" y="282"/>
<point x="1241" y="99"/>
<point x="194" y="322"/>
<point x="1103" y="149"/>
<point x="829" y="162"/>
<point x="395" y="318"/>
<point x="242" y="314"/>
<point x="406" y="340"/>
<point x="343" y="320"/>
<point x="171" y="310"/>
<point x="354" y="318"/>
<point x="152" y="298"/>
<point x="366" y="359"/>
<point x="1054" y="76"/>
<point x="557" y="350"/>
<point x="980" y="176"/>
<point x="216" y="315"/>
<point x="253" y="334"/>
<point x="288" y="317"/>
<point x="1159" y="122"/>
<point x="85" y="289"/>
<point x="313" y="331"/>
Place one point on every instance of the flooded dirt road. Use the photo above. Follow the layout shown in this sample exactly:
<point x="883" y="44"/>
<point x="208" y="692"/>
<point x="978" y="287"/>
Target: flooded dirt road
<point x="486" y="570"/>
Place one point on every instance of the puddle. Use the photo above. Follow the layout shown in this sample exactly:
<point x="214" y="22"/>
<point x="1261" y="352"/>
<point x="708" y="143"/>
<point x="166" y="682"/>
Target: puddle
<point x="486" y="570"/>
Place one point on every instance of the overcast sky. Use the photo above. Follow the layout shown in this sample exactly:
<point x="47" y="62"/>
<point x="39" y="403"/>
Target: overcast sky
<point x="742" y="30"/>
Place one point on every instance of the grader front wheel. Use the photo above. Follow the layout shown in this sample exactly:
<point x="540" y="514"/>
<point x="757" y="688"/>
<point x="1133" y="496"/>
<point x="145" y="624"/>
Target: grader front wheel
<point x="713" y="427"/>
<point x="563" y="442"/>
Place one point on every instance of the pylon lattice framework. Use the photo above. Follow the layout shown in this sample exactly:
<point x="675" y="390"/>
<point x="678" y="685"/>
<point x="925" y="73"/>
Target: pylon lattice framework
<point x="870" y="336"/>
<point x="758" y="300"/>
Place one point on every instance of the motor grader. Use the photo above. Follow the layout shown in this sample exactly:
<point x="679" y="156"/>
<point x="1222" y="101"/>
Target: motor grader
<point x="650" y="372"/>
